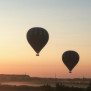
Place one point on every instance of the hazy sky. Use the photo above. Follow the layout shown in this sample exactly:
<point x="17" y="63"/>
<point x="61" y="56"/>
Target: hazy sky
<point x="69" y="25"/>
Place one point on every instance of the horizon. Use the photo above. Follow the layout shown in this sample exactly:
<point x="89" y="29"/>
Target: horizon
<point x="48" y="77"/>
<point x="43" y="77"/>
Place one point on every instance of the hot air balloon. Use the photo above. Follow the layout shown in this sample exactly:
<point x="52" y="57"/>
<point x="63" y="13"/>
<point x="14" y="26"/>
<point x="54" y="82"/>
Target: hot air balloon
<point x="70" y="59"/>
<point x="37" y="38"/>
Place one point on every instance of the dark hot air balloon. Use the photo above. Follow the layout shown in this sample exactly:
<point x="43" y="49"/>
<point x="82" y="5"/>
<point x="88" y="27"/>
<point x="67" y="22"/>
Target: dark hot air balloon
<point x="37" y="38"/>
<point x="70" y="59"/>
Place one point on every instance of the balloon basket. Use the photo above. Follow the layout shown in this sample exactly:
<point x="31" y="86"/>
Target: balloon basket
<point x="70" y="72"/>
<point x="37" y="54"/>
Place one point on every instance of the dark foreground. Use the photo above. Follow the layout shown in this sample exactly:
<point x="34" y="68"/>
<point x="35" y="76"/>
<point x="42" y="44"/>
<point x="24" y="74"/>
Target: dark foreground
<point x="59" y="87"/>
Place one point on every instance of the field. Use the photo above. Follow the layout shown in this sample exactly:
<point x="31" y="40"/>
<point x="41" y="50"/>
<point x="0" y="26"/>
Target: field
<point x="36" y="82"/>
<point x="27" y="83"/>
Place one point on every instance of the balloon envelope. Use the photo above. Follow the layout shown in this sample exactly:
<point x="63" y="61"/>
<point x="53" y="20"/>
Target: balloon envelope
<point x="37" y="38"/>
<point x="70" y="59"/>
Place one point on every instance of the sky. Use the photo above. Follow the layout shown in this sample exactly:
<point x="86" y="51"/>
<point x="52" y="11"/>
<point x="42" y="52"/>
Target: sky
<point x="68" y="24"/>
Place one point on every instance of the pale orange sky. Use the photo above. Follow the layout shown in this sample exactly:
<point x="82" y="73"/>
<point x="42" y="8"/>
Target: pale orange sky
<point x="68" y="24"/>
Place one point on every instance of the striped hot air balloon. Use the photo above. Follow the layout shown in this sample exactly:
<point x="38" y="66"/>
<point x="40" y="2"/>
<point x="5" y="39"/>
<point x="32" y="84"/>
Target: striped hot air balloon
<point x="37" y="38"/>
<point x="70" y="59"/>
